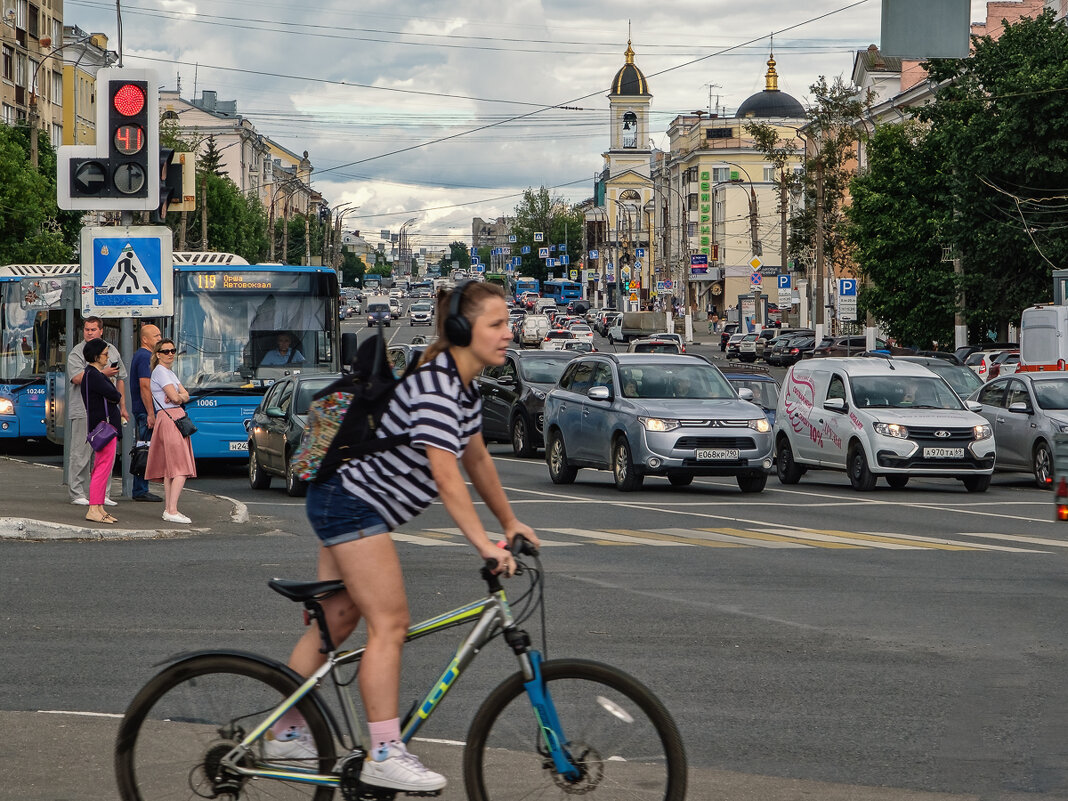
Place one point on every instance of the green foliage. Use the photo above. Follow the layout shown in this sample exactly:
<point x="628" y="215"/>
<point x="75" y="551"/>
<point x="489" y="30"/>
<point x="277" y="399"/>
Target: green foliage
<point x="32" y="228"/>
<point x="898" y="210"/>
<point x="210" y="161"/>
<point x="999" y="122"/>
<point x="556" y="219"/>
<point x="237" y="223"/>
<point x="352" y="269"/>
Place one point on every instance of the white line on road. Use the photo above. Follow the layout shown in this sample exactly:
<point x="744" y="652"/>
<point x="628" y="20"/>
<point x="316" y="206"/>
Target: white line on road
<point x="80" y="714"/>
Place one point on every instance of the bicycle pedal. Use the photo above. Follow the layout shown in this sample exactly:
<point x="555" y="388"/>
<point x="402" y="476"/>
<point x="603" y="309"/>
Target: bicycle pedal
<point x="423" y="794"/>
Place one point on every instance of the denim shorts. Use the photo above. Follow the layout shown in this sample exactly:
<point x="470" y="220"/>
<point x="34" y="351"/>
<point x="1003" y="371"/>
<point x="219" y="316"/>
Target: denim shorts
<point x="339" y="516"/>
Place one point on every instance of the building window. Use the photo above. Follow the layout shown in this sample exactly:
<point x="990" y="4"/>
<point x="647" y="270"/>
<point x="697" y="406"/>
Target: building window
<point x="9" y="63"/>
<point x="691" y="230"/>
<point x="691" y="202"/>
<point x="721" y="174"/>
<point x="630" y="129"/>
<point x="718" y="133"/>
<point x="57" y="134"/>
<point x="20" y="70"/>
<point x="57" y="30"/>
<point x="22" y="11"/>
<point x="31" y="23"/>
<point x="9" y="114"/>
<point x="770" y="174"/>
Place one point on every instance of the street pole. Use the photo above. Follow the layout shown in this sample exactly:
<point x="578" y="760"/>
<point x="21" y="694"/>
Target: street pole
<point x="820" y="315"/>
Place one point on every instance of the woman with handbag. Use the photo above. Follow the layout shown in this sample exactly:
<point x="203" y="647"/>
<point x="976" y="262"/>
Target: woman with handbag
<point x="104" y="424"/>
<point x="170" y="454"/>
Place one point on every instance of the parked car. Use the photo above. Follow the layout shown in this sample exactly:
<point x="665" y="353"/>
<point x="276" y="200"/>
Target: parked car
<point x="1005" y="363"/>
<point x="555" y="339"/>
<point x="676" y="338"/>
<point x="421" y="313"/>
<point x="852" y="346"/>
<point x="513" y="397"/>
<point x="725" y="333"/>
<point x="981" y="361"/>
<point x="378" y="312"/>
<point x="732" y="345"/>
<point x="799" y="348"/>
<point x="965" y="351"/>
<point x="877" y="418"/>
<point x="763" y="336"/>
<point x="773" y="355"/>
<point x="653" y="346"/>
<point x="641" y="414"/>
<point x="746" y="347"/>
<point x="1026" y="411"/>
<point x="963" y="380"/>
<point x="757" y="379"/>
<point x="777" y="336"/>
<point x="276" y="427"/>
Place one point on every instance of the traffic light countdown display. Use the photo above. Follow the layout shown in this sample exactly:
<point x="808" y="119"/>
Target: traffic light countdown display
<point x="122" y="172"/>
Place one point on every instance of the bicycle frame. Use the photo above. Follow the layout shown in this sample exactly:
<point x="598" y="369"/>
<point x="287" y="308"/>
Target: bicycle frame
<point x="490" y="613"/>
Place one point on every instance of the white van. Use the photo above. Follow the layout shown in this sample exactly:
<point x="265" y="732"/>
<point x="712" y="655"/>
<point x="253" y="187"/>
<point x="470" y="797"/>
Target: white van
<point x="542" y="305"/>
<point x="533" y="330"/>
<point x="875" y="417"/>
<point x="1043" y="338"/>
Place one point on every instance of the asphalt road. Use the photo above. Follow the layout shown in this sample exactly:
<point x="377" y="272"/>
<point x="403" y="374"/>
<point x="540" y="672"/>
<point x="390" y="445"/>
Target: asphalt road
<point x="810" y="641"/>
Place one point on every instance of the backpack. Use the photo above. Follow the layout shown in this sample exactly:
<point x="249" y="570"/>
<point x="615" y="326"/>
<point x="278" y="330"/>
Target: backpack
<point x="343" y="418"/>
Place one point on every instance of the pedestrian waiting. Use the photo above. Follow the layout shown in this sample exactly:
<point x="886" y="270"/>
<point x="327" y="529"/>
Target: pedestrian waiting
<point x="104" y="423"/>
<point x="170" y="455"/>
<point x="144" y="413"/>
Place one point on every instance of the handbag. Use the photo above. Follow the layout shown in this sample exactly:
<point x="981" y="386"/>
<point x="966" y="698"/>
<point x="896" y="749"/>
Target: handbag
<point x="183" y="424"/>
<point x="139" y="458"/>
<point x="104" y="431"/>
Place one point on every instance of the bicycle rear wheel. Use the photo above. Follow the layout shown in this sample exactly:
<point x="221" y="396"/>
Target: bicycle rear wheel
<point x="190" y="715"/>
<point x="619" y="734"/>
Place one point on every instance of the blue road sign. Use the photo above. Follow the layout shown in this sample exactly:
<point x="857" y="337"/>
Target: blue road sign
<point x="511" y="237"/>
<point x="639" y="253"/>
<point x="474" y="261"/>
<point x="847" y="286"/>
<point x="127" y="271"/>
<point x="525" y="249"/>
<point x="565" y="259"/>
<point x="784" y="282"/>
<point x="756" y="279"/>
<point x="543" y="253"/>
<point x="594" y="254"/>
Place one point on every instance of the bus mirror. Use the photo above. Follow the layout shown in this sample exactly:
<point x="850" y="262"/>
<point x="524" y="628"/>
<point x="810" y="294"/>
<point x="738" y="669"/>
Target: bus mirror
<point x="348" y="349"/>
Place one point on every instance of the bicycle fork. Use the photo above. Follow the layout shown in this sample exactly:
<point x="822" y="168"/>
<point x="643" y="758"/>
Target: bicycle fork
<point x="552" y="733"/>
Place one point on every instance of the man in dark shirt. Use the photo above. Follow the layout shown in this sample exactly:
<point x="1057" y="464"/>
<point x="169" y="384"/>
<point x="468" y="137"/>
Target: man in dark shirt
<point x="144" y="412"/>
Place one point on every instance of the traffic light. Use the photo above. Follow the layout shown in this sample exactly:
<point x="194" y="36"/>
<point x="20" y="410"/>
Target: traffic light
<point x="169" y="188"/>
<point x="120" y="172"/>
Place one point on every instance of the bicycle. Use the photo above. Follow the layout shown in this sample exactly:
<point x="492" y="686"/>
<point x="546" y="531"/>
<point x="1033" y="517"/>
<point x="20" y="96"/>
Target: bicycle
<point x="555" y="728"/>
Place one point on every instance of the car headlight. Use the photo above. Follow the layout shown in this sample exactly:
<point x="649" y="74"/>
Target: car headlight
<point x="891" y="430"/>
<point x="762" y="425"/>
<point x="983" y="431"/>
<point x="658" y="423"/>
<point x="537" y="393"/>
<point x="7" y="406"/>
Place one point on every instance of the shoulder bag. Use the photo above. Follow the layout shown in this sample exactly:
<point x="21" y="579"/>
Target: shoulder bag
<point x="183" y="424"/>
<point x="103" y="432"/>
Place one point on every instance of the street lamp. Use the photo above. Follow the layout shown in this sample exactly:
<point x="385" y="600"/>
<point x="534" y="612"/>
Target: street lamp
<point x="680" y="273"/>
<point x="405" y="249"/>
<point x="335" y="233"/>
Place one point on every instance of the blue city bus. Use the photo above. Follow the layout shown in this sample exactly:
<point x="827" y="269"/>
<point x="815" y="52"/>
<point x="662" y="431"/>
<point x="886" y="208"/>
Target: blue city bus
<point x="227" y="319"/>
<point x="524" y="285"/>
<point x="562" y="291"/>
<point x="37" y="303"/>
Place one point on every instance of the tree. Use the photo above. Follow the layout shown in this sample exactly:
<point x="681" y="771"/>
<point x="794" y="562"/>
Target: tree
<point x="998" y="121"/>
<point x="352" y="269"/>
<point x="898" y="210"/>
<point x="210" y="161"/>
<point x="32" y="228"/>
<point x="458" y="253"/>
<point x="237" y="223"/>
<point x="560" y="223"/>
<point x="780" y="153"/>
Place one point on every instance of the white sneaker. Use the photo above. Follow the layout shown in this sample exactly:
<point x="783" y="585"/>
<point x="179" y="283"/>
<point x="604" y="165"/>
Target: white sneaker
<point x="109" y="502"/>
<point x="294" y="747"/>
<point x="81" y="502"/>
<point x="176" y="518"/>
<point x="399" y="770"/>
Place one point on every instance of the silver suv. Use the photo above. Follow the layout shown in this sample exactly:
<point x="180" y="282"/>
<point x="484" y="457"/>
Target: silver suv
<point x="640" y="414"/>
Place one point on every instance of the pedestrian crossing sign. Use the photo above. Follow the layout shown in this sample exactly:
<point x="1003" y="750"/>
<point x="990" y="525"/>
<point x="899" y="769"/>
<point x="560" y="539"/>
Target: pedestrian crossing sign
<point x="127" y="271"/>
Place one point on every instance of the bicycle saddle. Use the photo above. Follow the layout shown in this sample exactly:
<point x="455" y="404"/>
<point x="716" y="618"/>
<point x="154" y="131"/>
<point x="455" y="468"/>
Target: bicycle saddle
<point x="306" y="590"/>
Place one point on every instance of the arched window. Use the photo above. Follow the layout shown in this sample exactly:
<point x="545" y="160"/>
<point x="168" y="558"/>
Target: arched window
<point x="630" y="129"/>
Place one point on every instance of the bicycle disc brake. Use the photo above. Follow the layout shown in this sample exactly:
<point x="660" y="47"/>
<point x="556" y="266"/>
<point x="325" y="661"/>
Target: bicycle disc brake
<point x="589" y="763"/>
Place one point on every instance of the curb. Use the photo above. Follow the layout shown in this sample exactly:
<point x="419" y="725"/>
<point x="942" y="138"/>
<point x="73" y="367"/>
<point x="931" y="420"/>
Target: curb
<point x="22" y="528"/>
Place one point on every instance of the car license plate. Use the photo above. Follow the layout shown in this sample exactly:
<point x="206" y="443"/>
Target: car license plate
<point x="718" y="453"/>
<point x="943" y="453"/>
<point x="239" y="446"/>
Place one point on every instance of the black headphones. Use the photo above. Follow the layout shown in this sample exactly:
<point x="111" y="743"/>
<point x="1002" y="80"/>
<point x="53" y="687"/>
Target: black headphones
<point x="457" y="327"/>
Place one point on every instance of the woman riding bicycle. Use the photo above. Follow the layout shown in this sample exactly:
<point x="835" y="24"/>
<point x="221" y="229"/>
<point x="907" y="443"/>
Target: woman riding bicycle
<point x="441" y="409"/>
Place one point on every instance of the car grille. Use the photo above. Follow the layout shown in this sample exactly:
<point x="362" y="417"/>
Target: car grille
<point x="690" y="443"/>
<point x="925" y="435"/>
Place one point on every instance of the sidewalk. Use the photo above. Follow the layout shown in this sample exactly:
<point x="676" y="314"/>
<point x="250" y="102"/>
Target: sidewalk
<point x="36" y="506"/>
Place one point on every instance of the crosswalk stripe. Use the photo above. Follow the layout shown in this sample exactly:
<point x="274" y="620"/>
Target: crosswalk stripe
<point x="618" y="536"/>
<point x="740" y="536"/>
<point x="1015" y="538"/>
<point x="881" y="541"/>
<point x="974" y="546"/>
<point x="455" y="532"/>
<point x="429" y="538"/>
<point x="789" y="535"/>
<point x="825" y="539"/>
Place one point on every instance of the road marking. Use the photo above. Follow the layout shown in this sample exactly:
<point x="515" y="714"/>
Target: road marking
<point x="1016" y="538"/>
<point x="621" y="536"/>
<point x="428" y="538"/>
<point x="80" y="714"/>
<point x="455" y="532"/>
<point x="800" y="538"/>
<point x="743" y="536"/>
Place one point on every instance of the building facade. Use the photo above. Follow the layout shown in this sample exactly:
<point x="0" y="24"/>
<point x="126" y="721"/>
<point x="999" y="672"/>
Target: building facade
<point x="31" y="67"/>
<point x="84" y="55"/>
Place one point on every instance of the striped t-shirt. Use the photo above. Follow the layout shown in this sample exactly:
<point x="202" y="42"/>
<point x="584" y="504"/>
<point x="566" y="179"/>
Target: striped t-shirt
<point x="436" y="409"/>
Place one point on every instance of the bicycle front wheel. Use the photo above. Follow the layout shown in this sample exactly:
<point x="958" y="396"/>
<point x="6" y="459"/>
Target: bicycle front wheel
<point x="619" y="735"/>
<point x="190" y="715"/>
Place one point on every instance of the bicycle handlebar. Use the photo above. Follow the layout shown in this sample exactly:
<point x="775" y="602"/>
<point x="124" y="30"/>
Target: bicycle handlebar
<point x="520" y="546"/>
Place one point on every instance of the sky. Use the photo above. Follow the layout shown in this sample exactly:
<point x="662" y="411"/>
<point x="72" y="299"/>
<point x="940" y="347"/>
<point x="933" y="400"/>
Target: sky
<point x="447" y="111"/>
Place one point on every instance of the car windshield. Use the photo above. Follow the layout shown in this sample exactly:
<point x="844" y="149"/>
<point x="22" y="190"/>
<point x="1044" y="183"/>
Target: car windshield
<point x="963" y="380"/>
<point x="765" y="393"/>
<point x="543" y="370"/>
<point x="656" y="347"/>
<point x="1051" y="393"/>
<point x="903" y="392"/>
<point x="421" y="307"/>
<point x="307" y="391"/>
<point x="700" y="382"/>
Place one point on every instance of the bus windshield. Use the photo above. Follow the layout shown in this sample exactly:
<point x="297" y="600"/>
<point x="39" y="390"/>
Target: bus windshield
<point x="31" y="336"/>
<point x="245" y="330"/>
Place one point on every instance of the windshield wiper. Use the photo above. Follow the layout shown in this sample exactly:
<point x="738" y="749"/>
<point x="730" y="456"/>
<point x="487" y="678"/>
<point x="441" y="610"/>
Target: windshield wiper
<point x="204" y="393"/>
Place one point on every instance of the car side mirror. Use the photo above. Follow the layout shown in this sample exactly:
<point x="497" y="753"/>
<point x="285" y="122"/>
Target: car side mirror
<point x="274" y="411"/>
<point x="600" y="393"/>
<point x="834" y="405"/>
<point x="746" y="394"/>
<point x="974" y="406"/>
<point x="348" y="348"/>
<point x="1021" y="408"/>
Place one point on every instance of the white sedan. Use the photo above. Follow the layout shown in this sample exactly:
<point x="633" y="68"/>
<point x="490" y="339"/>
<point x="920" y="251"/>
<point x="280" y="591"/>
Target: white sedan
<point x="555" y="339"/>
<point x="582" y="332"/>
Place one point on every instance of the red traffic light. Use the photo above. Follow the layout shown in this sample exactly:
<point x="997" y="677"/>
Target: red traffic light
<point x="129" y="100"/>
